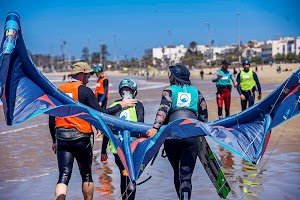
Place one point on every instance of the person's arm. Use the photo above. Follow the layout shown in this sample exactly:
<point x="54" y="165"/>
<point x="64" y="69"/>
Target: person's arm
<point x="233" y="81"/>
<point x="162" y="113"/>
<point x="164" y="108"/>
<point x="140" y="112"/>
<point x="87" y="97"/>
<point x="52" y="128"/>
<point x="257" y="82"/>
<point x="238" y="80"/>
<point x="105" y="85"/>
<point x="52" y="132"/>
<point x="202" y="108"/>
<point x="215" y="78"/>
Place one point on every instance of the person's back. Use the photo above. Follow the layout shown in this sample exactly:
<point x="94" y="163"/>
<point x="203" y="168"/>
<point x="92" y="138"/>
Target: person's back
<point x="180" y="100"/>
<point x="71" y="135"/>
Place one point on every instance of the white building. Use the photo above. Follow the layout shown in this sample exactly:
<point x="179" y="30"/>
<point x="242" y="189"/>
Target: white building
<point x="215" y="52"/>
<point x="297" y="46"/>
<point x="266" y="51"/>
<point x="286" y="45"/>
<point x="172" y="54"/>
<point x="250" y="52"/>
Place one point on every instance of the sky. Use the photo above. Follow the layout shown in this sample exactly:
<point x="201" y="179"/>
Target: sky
<point x="139" y="25"/>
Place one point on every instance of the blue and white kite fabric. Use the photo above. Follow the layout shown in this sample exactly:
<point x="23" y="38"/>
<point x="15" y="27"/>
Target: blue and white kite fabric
<point x="26" y="93"/>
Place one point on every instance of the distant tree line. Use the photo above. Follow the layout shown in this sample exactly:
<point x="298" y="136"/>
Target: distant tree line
<point x="289" y="58"/>
<point x="192" y="57"/>
<point x="50" y="63"/>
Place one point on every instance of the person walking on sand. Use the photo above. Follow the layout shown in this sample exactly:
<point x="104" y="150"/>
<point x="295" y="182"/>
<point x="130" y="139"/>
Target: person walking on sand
<point x="202" y="74"/>
<point x="127" y="89"/>
<point x="180" y="100"/>
<point x="247" y="80"/>
<point x="101" y="91"/>
<point x="223" y="79"/>
<point x="71" y="135"/>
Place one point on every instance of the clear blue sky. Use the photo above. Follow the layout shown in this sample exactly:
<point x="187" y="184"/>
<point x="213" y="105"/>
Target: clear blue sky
<point x="139" y="24"/>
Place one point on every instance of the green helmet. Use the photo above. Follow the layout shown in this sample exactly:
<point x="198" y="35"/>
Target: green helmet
<point x="129" y="83"/>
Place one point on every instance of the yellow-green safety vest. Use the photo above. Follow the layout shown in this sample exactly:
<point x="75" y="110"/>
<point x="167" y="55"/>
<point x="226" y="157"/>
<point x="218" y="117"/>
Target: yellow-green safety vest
<point x="247" y="81"/>
<point x="127" y="114"/>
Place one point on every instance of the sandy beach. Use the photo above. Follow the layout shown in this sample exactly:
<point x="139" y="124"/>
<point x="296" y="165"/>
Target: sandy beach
<point x="28" y="168"/>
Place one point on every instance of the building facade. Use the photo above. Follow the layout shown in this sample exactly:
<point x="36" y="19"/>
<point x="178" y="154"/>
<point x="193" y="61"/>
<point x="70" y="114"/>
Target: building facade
<point x="167" y="54"/>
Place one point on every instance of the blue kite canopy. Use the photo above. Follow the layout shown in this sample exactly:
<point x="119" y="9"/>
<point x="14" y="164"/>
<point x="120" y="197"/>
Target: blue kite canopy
<point x="26" y="93"/>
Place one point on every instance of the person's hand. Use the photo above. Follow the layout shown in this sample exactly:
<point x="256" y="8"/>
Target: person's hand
<point x="98" y="134"/>
<point x="124" y="172"/>
<point x="128" y="102"/>
<point x="242" y="97"/>
<point x="151" y="132"/>
<point x="54" y="147"/>
<point x="220" y="76"/>
<point x="259" y="97"/>
<point x="104" y="158"/>
<point x="100" y="104"/>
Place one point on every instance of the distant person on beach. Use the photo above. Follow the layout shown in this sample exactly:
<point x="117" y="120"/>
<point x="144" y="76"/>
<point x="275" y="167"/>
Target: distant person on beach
<point x="101" y="91"/>
<point x="127" y="89"/>
<point x="202" y="74"/>
<point x="71" y="135"/>
<point x="223" y="79"/>
<point x="247" y="81"/>
<point x="180" y="100"/>
<point x="278" y="69"/>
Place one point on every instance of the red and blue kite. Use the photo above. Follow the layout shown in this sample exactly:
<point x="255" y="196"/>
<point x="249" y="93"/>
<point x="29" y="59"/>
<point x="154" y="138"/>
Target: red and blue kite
<point x="26" y="93"/>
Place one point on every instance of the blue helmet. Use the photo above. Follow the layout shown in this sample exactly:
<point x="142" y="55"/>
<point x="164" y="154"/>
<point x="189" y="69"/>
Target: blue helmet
<point x="129" y="83"/>
<point x="98" y="68"/>
<point x="246" y="62"/>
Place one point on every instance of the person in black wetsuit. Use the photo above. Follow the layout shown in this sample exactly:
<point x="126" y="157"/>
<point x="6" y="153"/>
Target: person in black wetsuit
<point x="180" y="100"/>
<point x="127" y="89"/>
<point x="246" y="82"/>
<point x="71" y="135"/>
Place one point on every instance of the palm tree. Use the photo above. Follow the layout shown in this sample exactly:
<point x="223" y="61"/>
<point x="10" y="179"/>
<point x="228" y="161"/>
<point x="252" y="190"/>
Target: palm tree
<point x="103" y="53"/>
<point x="85" y="54"/>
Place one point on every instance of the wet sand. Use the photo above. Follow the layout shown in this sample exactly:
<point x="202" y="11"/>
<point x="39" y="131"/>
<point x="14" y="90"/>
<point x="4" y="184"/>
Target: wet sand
<point x="28" y="167"/>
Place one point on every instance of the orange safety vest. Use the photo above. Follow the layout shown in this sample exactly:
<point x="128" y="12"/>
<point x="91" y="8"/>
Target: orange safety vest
<point x="71" y="89"/>
<point x="100" y="87"/>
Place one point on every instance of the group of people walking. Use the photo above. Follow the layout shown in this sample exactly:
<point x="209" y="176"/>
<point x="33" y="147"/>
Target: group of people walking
<point x="71" y="135"/>
<point x="247" y="83"/>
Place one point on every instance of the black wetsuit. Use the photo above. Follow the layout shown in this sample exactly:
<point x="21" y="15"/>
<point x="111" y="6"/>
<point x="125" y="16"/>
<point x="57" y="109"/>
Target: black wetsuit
<point x="77" y="145"/>
<point x="249" y="94"/>
<point x="182" y="153"/>
<point x="126" y="192"/>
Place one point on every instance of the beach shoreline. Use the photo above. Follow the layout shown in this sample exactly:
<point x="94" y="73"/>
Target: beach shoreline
<point x="23" y="169"/>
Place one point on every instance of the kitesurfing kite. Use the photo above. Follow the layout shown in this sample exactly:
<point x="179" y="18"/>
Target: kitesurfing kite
<point x="26" y="93"/>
